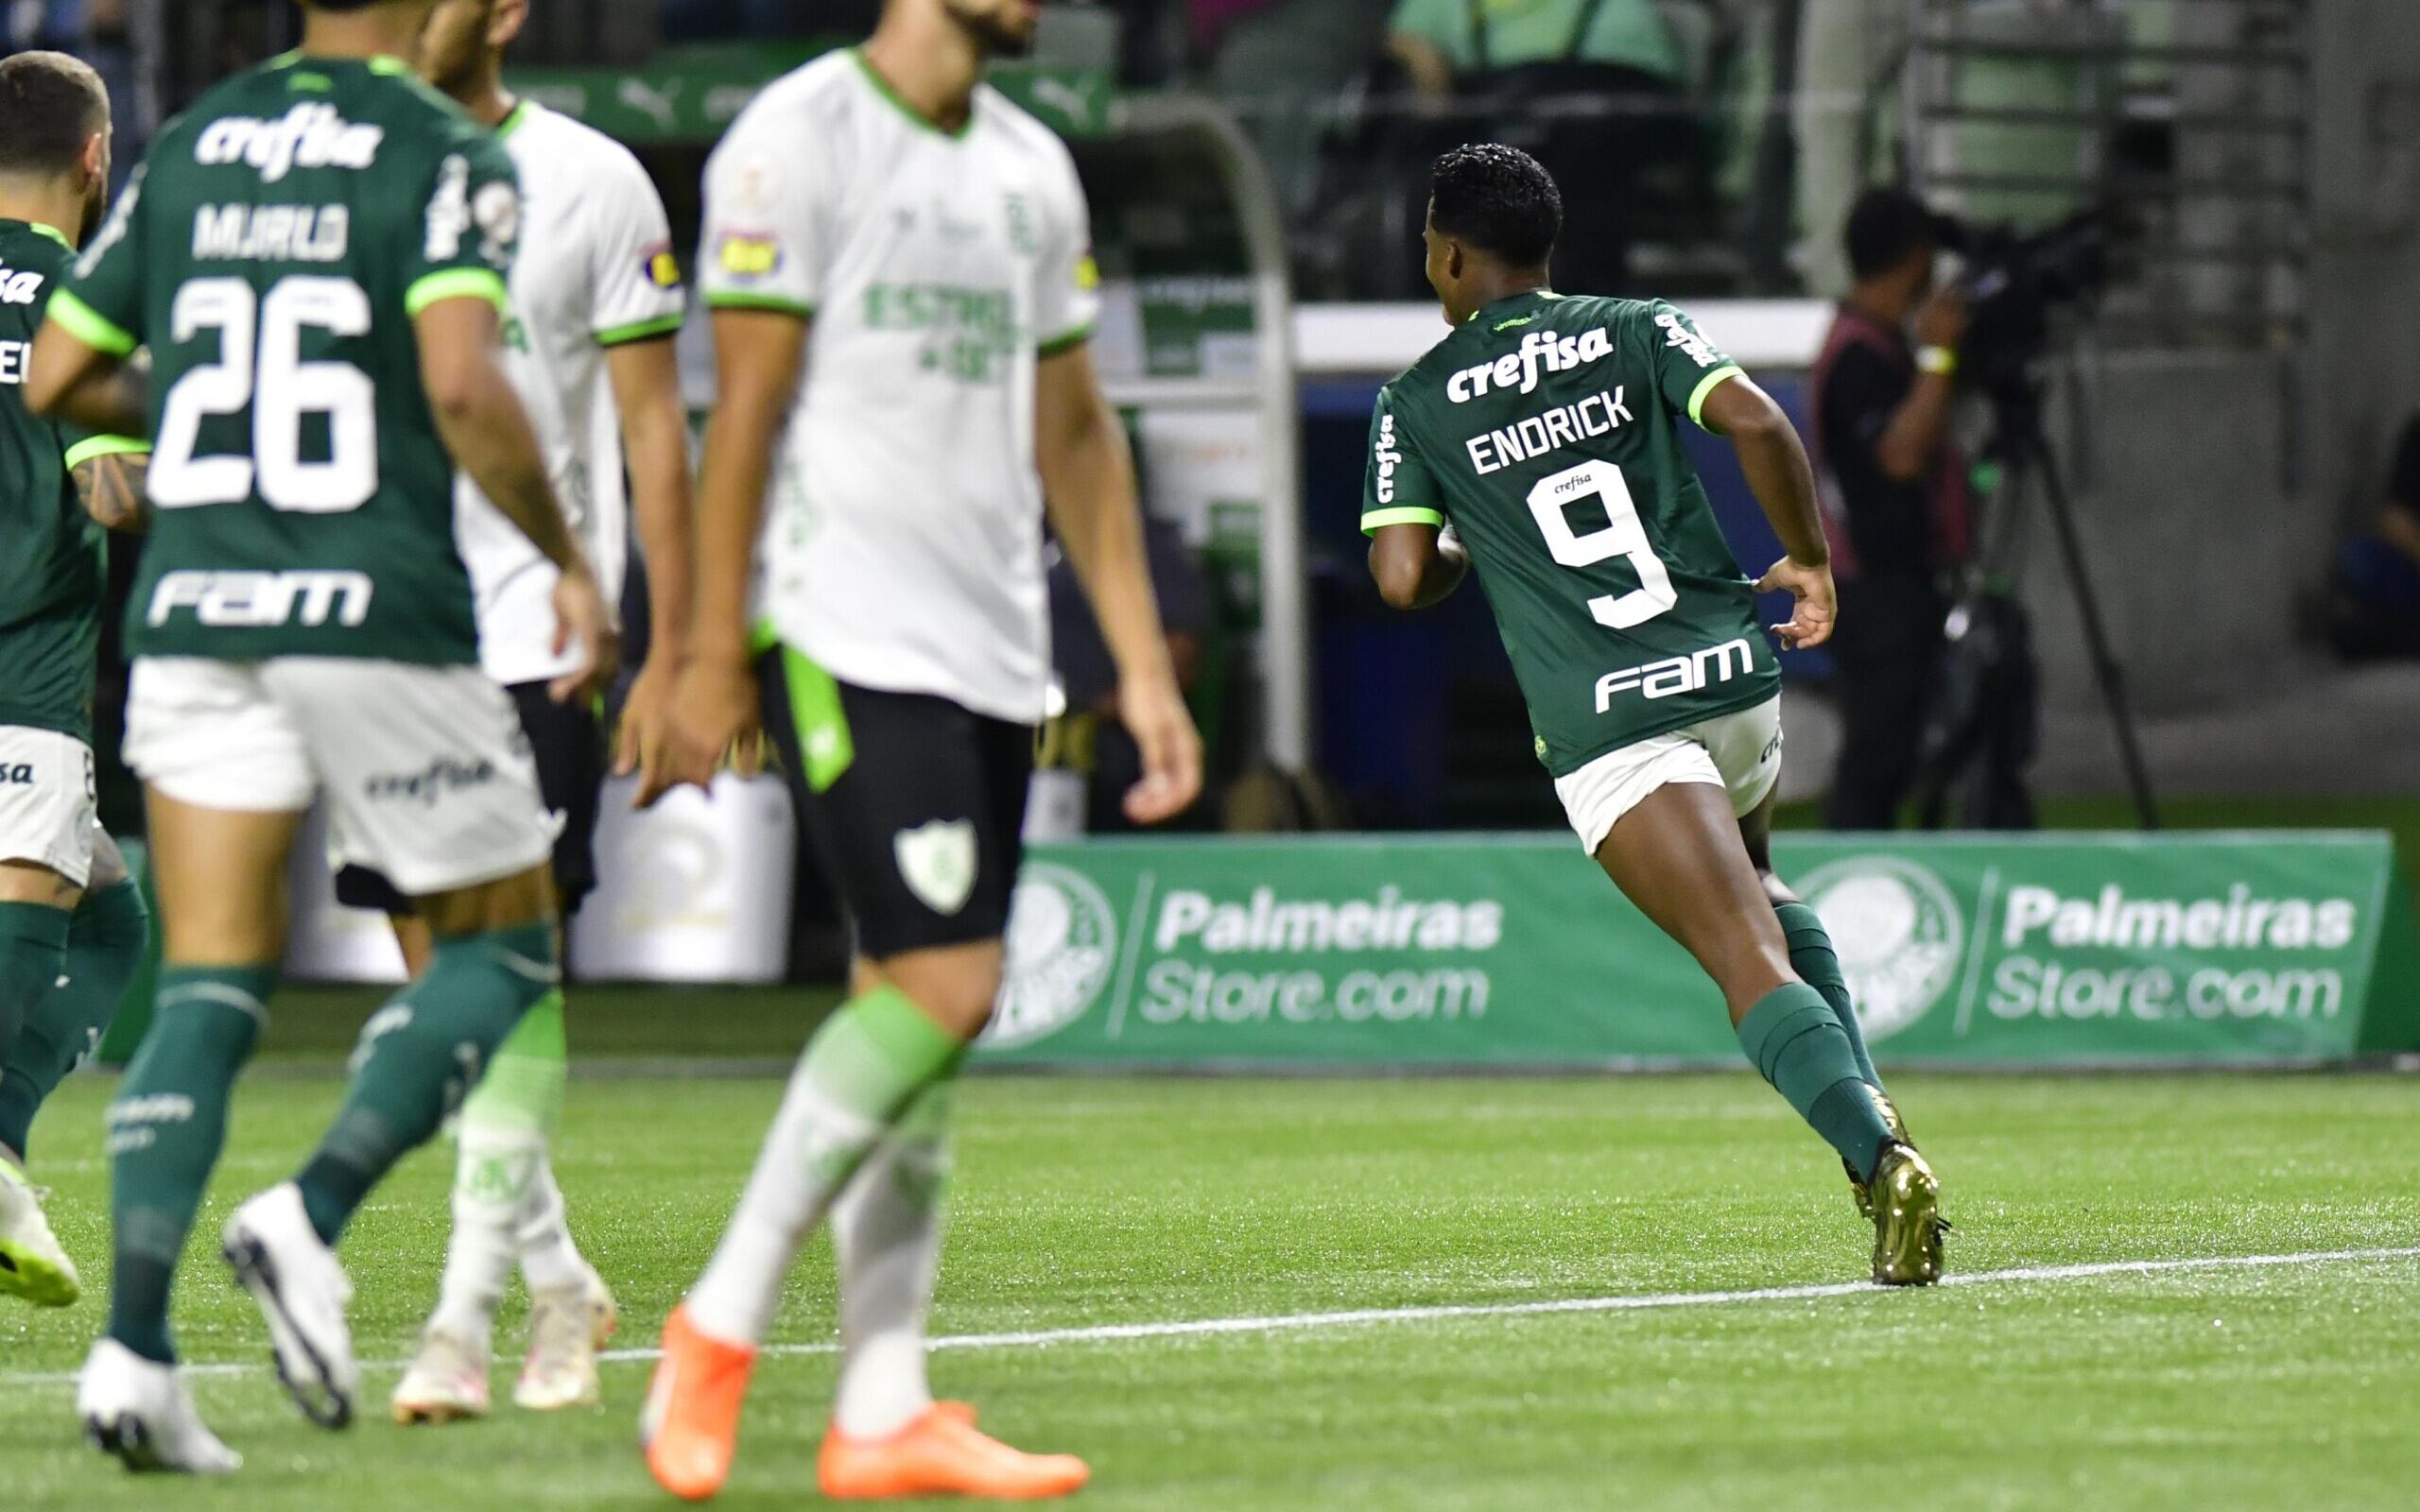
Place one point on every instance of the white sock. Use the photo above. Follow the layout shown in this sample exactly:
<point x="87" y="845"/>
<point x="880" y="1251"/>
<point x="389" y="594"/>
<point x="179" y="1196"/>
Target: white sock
<point x="887" y="1234"/>
<point x="551" y="1258"/>
<point x="815" y="1145"/>
<point x="492" y="1172"/>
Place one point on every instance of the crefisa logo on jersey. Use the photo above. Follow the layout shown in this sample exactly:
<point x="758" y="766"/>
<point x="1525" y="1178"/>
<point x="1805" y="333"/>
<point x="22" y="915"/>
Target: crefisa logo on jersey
<point x="307" y="136"/>
<point x="1062" y="940"/>
<point x="1897" y="931"/>
<point x="1540" y="351"/>
<point x="1387" y="456"/>
<point x="1677" y="333"/>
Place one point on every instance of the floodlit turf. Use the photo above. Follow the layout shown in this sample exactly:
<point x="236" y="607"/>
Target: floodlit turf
<point x="1100" y="1202"/>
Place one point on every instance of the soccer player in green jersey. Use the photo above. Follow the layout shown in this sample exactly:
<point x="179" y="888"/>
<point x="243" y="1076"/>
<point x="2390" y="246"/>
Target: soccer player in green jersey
<point x="1536" y="444"/>
<point x="315" y="255"/>
<point x="72" y="925"/>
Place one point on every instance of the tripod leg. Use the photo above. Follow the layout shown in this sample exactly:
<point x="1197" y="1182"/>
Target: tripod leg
<point x="2105" y="669"/>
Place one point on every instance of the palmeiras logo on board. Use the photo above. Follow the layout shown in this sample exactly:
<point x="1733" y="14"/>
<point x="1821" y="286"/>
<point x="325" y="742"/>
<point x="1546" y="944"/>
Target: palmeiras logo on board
<point x="1063" y="941"/>
<point x="1897" y="931"/>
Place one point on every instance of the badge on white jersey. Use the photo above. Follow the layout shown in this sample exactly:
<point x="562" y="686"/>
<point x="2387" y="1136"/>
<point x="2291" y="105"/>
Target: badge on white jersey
<point x="937" y="860"/>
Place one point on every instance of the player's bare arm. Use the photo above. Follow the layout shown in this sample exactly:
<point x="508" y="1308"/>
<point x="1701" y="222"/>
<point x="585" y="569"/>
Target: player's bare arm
<point x="759" y="355"/>
<point x="646" y="376"/>
<point x="486" y="430"/>
<point x="1088" y="480"/>
<point x="72" y="381"/>
<point x="1416" y="565"/>
<point x="1778" y="472"/>
<point x="112" y="489"/>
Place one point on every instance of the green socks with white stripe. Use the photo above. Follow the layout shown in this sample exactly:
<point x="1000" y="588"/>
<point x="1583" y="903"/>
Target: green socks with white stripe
<point x="166" y="1131"/>
<point x="1796" y="1043"/>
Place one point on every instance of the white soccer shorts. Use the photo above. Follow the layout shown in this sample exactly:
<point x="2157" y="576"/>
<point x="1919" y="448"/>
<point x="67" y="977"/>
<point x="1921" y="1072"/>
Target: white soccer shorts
<point x="46" y="801"/>
<point x="428" y="773"/>
<point x="1738" y="752"/>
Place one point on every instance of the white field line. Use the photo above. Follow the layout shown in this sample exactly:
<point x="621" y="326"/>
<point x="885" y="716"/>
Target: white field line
<point x="1363" y="1317"/>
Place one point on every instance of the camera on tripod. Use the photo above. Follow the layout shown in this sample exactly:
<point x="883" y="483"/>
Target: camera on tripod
<point x="2016" y="279"/>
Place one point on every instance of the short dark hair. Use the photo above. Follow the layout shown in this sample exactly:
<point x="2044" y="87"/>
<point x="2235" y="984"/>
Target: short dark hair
<point x="50" y="106"/>
<point x="1885" y="225"/>
<point x="1499" y="199"/>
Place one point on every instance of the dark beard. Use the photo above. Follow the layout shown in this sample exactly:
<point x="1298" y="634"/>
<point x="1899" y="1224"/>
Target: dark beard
<point x="995" y="39"/>
<point x="97" y="209"/>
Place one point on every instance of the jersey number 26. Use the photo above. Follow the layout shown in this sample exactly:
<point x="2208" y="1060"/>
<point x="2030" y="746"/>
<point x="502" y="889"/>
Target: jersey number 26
<point x="260" y="368"/>
<point x="1623" y="535"/>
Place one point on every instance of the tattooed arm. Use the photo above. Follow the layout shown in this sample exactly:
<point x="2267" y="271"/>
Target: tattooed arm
<point x="111" y="487"/>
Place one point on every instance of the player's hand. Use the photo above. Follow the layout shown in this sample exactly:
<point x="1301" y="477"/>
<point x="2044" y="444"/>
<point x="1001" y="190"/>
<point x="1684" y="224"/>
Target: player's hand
<point x="1941" y="320"/>
<point x="1817" y="607"/>
<point x="646" y="711"/>
<point x="1154" y="712"/>
<point x="581" y="621"/>
<point x="715" y="721"/>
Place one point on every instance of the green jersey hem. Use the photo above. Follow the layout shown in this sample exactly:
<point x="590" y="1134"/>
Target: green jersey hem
<point x="85" y="451"/>
<point x="32" y="717"/>
<point x="1408" y="515"/>
<point x="773" y="303"/>
<point x="456" y="284"/>
<point x="1066" y="341"/>
<point x="89" y="326"/>
<point x="1707" y="385"/>
<point x="622" y="335"/>
<point x="1760" y="691"/>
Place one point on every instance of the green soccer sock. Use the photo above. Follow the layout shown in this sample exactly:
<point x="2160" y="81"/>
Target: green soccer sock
<point x="419" y="1055"/>
<point x="105" y="942"/>
<point x="524" y="1088"/>
<point x="33" y="956"/>
<point x="1812" y="957"/>
<point x="1796" y="1043"/>
<point x="166" y="1131"/>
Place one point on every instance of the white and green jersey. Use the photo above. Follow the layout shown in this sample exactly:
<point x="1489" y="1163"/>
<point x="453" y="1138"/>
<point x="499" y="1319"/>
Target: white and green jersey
<point x="903" y="536"/>
<point x="595" y="270"/>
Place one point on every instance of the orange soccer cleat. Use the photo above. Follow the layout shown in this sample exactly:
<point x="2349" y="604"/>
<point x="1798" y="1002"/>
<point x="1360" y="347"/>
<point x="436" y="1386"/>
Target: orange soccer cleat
<point x="691" y="1426"/>
<point x="941" y="1454"/>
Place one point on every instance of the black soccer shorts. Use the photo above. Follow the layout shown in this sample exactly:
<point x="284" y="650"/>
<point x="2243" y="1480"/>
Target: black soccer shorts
<point x="915" y="804"/>
<point x="567" y="741"/>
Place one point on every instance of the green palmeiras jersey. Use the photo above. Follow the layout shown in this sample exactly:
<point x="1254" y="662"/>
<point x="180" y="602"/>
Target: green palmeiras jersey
<point x="1543" y="431"/>
<point x="53" y="564"/>
<point x="272" y="253"/>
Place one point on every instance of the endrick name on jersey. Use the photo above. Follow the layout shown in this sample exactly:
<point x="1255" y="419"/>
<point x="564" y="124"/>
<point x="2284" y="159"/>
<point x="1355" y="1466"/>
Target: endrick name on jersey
<point x="1537" y="435"/>
<point x="1674" y="676"/>
<point x="262" y="600"/>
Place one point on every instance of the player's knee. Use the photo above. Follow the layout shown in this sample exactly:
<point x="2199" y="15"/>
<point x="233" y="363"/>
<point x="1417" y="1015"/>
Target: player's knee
<point x="488" y="980"/>
<point x="952" y="990"/>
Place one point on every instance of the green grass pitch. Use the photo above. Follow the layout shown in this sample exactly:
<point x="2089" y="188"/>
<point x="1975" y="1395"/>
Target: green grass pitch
<point x="1082" y="1203"/>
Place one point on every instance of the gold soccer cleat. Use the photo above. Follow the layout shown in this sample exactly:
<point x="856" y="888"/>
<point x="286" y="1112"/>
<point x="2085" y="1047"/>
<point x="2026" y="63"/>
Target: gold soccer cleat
<point x="1898" y="1131"/>
<point x="1908" y="1225"/>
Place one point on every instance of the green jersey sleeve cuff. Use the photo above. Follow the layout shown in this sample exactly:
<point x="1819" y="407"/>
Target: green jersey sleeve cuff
<point x="455" y="283"/>
<point x="85" y="451"/>
<point x="1066" y="341"/>
<point x="1707" y="385"/>
<point x="622" y="335"/>
<point x="773" y="303"/>
<point x="1372" y="522"/>
<point x="89" y="326"/>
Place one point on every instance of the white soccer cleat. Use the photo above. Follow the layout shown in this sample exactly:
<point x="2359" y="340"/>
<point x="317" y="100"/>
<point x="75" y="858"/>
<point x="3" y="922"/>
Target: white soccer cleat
<point x="566" y="1328"/>
<point x="302" y="1292"/>
<point x="447" y="1381"/>
<point x="137" y="1410"/>
<point x="32" y="1264"/>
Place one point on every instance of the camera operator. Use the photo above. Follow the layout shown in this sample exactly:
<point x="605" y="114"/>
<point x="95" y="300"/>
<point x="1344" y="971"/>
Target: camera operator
<point x="1896" y="494"/>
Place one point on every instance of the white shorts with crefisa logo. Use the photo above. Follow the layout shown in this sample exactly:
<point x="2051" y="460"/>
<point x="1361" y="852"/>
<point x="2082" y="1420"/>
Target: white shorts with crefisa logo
<point x="1740" y="752"/>
<point x="428" y="773"/>
<point x="46" y="801"/>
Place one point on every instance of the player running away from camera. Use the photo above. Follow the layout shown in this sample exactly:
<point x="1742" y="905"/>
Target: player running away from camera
<point x="897" y="262"/>
<point x="315" y="255"/>
<point x="1537" y="444"/>
<point x="72" y="924"/>
<point x="597" y="301"/>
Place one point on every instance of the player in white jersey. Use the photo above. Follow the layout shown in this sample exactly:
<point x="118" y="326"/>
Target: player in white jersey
<point x="894" y="459"/>
<point x="597" y="301"/>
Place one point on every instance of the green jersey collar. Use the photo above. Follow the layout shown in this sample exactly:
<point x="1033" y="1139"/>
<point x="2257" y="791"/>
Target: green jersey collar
<point x="899" y="103"/>
<point x="1512" y="303"/>
<point x="51" y="231"/>
<point x="513" y="121"/>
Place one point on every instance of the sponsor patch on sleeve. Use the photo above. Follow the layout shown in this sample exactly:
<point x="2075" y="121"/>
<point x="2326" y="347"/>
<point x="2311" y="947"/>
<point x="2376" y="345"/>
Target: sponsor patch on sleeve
<point x="663" y="268"/>
<point x="1088" y="273"/>
<point x="750" y="255"/>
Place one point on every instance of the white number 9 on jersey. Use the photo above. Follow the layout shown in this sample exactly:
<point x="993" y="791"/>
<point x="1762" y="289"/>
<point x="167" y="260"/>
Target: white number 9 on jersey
<point x="1624" y="535"/>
